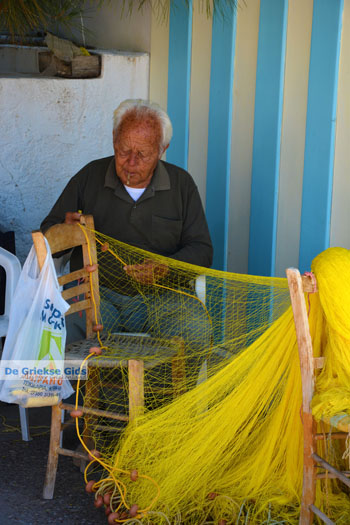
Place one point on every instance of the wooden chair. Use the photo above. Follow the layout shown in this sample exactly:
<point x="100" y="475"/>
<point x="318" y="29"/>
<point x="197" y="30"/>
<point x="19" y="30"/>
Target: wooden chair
<point x="298" y="286"/>
<point x="63" y="237"/>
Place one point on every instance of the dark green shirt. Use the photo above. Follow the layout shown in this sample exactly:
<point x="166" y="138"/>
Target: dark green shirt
<point x="168" y="218"/>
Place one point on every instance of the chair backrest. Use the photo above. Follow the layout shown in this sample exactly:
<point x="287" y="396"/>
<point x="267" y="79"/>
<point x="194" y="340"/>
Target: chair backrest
<point x="62" y="237"/>
<point x="12" y="268"/>
<point x="298" y="286"/>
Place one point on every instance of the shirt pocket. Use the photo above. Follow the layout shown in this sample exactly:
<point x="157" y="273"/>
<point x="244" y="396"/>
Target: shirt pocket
<point x="166" y="234"/>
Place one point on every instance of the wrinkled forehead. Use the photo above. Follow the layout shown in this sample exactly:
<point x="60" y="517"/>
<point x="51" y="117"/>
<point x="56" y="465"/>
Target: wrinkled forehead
<point x="134" y="124"/>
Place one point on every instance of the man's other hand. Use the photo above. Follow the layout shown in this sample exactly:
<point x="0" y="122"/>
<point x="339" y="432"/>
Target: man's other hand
<point x="148" y="272"/>
<point x="72" y="217"/>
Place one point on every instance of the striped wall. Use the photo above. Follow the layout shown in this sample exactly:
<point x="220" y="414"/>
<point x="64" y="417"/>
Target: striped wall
<point x="261" y="111"/>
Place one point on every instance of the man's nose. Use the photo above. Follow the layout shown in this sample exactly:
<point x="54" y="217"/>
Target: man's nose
<point x="132" y="159"/>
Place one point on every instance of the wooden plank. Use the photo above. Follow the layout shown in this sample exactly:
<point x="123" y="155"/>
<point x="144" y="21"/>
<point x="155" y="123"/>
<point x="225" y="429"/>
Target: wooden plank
<point x="40" y="247"/>
<point x="91" y="400"/>
<point x="78" y="307"/>
<point x="95" y="412"/>
<point x="338" y="474"/>
<point x="51" y="468"/>
<point x="136" y="388"/>
<point x="178" y="370"/>
<point x="86" y="66"/>
<point x="307" y="378"/>
<point x="64" y="237"/>
<point x="73" y="276"/>
<point x="308" y="284"/>
<point x="319" y="362"/>
<point x="332" y="435"/>
<point x="90" y="257"/>
<point x="73" y="454"/>
<point x="321" y="515"/>
<point x="75" y="291"/>
<point x="79" y="67"/>
<point x="303" y="335"/>
<point x="329" y="475"/>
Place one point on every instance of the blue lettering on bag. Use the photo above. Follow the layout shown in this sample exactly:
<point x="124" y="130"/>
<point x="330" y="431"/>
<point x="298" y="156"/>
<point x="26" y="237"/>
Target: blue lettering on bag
<point x="56" y="319"/>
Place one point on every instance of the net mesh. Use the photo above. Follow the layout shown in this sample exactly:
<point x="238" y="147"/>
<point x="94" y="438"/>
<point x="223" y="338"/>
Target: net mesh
<point x="215" y="434"/>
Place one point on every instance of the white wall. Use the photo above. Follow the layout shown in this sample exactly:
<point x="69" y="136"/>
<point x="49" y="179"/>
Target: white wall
<point x="51" y="127"/>
<point x="109" y="27"/>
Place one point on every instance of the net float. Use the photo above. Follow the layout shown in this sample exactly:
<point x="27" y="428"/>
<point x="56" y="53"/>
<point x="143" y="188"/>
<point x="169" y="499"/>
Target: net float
<point x="112" y="517"/>
<point x="91" y="268"/>
<point x="97" y="328"/>
<point x="107" y="498"/>
<point x="134" y="475"/>
<point x="89" y="486"/>
<point x="98" y="501"/>
<point x="133" y="510"/>
<point x="94" y="454"/>
<point x="95" y="350"/>
<point x="76" y="413"/>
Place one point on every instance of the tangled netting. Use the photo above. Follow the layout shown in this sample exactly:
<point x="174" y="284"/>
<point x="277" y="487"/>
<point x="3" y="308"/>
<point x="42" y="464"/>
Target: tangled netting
<point x="217" y="437"/>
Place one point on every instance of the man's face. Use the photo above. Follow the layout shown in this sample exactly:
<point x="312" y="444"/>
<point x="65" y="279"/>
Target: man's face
<point x="136" y="151"/>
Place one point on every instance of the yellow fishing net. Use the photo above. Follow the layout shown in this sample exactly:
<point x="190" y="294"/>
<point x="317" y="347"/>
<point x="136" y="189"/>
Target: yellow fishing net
<point x="219" y="438"/>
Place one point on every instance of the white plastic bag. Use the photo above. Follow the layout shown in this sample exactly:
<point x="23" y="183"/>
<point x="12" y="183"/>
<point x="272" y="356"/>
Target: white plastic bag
<point x="32" y="364"/>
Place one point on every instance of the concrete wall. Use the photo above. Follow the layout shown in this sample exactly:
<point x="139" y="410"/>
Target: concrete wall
<point x="111" y="27"/>
<point x="51" y="127"/>
<point x="72" y="107"/>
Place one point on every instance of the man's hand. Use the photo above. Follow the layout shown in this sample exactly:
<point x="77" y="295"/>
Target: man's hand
<point x="148" y="272"/>
<point x="72" y="217"/>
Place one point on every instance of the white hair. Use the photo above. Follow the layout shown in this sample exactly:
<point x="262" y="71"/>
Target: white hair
<point x="143" y="108"/>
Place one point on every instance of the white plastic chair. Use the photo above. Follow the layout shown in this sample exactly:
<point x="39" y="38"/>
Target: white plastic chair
<point x="12" y="268"/>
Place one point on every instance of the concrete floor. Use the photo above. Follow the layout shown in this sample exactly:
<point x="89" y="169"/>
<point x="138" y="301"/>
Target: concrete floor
<point x="22" y="468"/>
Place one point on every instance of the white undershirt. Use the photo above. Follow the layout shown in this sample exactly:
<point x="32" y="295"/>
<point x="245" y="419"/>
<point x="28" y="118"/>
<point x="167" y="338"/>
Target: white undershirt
<point x="135" y="193"/>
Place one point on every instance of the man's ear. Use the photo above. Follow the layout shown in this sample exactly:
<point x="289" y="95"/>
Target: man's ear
<point x="164" y="150"/>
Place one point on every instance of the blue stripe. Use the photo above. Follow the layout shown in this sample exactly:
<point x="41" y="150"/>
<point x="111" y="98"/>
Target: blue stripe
<point x="219" y="134"/>
<point x="179" y="80"/>
<point x="320" y="130"/>
<point x="267" y="136"/>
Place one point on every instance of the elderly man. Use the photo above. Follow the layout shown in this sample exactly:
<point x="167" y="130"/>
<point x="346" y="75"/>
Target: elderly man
<point x="134" y="196"/>
<point x="137" y="198"/>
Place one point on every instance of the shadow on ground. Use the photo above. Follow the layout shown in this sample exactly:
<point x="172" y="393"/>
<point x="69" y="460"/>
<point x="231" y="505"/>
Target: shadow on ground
<point x="23" y="465"/>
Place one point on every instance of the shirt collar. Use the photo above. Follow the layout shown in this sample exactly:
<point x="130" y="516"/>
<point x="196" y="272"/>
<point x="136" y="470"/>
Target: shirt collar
<point x="160" y="180"/>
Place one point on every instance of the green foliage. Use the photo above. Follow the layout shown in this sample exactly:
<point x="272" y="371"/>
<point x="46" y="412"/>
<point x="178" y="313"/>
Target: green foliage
<point x="22" y="17"/>
<point x="162" y="8"/>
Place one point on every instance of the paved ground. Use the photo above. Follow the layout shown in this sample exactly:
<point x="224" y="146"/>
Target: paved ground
<point x="22" y="472"/>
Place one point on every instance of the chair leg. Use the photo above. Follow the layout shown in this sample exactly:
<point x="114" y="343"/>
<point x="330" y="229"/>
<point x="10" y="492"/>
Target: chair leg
<point x="91" y="400"/>
<point x="309" y="471"/>
<point x="52" y="460"/>
<point x="24" y="419"/>
<point x="136" y="388"/>
<point x="178" y="370"/>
